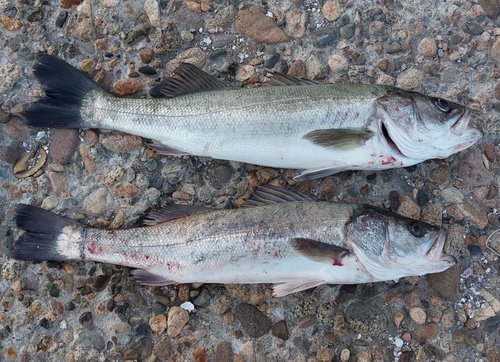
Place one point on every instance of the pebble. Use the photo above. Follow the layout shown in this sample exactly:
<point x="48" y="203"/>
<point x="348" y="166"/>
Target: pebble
<point x="152" y="10"/>
<point x="98" y="202"/>
<point x="222" y="304"/>
<point x="128" y="190"/>
<point x="10" y="24"/>
<point x="61" y="18"/>
<point x="194" y="56"/>
<point x="244" y="73"/>
<point x="428" y="331"/>
<point x="137" y="33"/>
<point x="9" y="154"/>
<point x="253" y="321"/>
<point x="495" y="51"/>
<point x="452" y="195"/>
<point x="296" y="22"/>
<point x="89" y="164"/>
<point x="313" y="67"/>
<point x="146" y="55"/>
<point x="15" y="128"/>
<point x="418" y="314"/>
<point x="109" y="3"/>
<point x="169" y="39"/>
<point x="427" y="47"/>
<point x="472" y="171"/>
<point x="338" y="64"/>
<point x="440" y="174"/>
<point x="491" y="8"/>
<point x="163" y="349"/>
<point x="432" y="214"/>
<point x="177" y="319"/>
<point x="224" y="352"/>
<point x="446" y="283"/>
<point x="408" y="208"/>
<point x="63" y="144"/>
<point x="398" y="318"/>
<point x="125" y="87"/>
<point x="226" y="16"/>
<point x="325" y="354"/>
<point x="252" y="22"/>
<point x="203" y="299"/>
<point x="410" y="79"/>
<point x="50" y="202"/>
<point x="266" y="174"/>
<point x="122" y="142"/>
<point x="366" y="318"/>
<point x="35" y="308"/>
<point x="87" y="320"/>
<point x="158" y="323"/>
<point x="332" y="10"/>
<point x="199" y="355"/>
<point x="280" y="330"/>
<point x="475" y="213"/>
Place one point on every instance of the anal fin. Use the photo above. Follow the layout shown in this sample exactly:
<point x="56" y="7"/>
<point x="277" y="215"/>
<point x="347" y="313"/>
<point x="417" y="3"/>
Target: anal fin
<point x="165" y="150"/>
<point x="148" y="277"/>
<point x="280" y="290"/>
<point x="315" y="173"/>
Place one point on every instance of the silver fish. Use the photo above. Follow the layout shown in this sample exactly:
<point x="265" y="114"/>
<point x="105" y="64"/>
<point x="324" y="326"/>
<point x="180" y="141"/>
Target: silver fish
<point x="320" y="129"/>
<point x="281" y="237"/>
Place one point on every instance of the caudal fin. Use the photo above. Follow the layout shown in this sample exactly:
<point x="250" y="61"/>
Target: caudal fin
<point x="44" y="235"/>
<point x="65" y="88"/>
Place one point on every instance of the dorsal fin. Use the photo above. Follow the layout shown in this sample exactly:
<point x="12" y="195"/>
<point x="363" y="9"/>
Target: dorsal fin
<point x="171" y="212"/>
<point x="280" y="79"/>
<point x="268" y="195"/>
<point x="190" y="79"/>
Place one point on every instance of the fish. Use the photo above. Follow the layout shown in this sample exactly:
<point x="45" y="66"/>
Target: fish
<point x="318" y="129"/>
<point x="280" y="237"/>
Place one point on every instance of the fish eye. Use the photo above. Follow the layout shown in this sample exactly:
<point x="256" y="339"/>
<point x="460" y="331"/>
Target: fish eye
<point x="442" y="105"/>
<point x="416" y="229"/>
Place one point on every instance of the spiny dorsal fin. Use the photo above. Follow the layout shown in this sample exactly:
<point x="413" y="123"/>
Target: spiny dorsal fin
<point x="171" y="212"/>
<point x="320" y="251"/>
<point x="190" y="79"/>
<point x="280" y="79"/>
<point x="269" y="195"/>
<point x="338" y="139"/>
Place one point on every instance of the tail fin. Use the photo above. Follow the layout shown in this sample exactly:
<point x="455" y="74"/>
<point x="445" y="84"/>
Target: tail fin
<point x="44" y="232"/>
<point x="65" y="88"/>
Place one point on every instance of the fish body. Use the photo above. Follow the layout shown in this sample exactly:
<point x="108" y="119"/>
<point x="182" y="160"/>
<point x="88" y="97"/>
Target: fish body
<point x="319" y="129"/>
<point x="295" y="244"/>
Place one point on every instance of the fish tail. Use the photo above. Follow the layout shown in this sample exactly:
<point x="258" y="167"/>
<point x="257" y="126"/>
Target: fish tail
<point x="65" y="88"/>
<point x="46" y="236"/>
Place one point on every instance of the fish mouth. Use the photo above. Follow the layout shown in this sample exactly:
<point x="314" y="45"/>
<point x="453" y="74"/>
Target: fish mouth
<point x="435" y="252"/>
<point x="460" y="122"/>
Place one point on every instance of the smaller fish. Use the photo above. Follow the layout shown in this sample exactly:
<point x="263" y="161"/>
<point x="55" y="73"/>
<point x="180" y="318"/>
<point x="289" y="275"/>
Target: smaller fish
<point x="280" y="237"/>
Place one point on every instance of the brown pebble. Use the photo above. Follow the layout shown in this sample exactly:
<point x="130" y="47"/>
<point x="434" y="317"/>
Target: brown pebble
<point x="92" y="136"/>
<point x="102" y="78"/>
<point x="66" y="4"/>
<point x="127" y="86"/>
<point x="57" y="181"/>
<point x="489" y="151"/>
<point x="146" y="55"/>
<point x="9" y="154"/>
<point x="100" y="283"/>
<point x="253" y="23"/>
<point x="280" y="330"/>
<point x="63" y="144"/>
<point x="163" y="349"/>
<point x="15" y="128"/>
<point x="199" y="355"/>
<point x="122" y="142"/>
<point x="35" y="308"/>
<point x="128" y="190"/>
<point x="57" y="306"/>
<point x="10" y="24"/>
<point x="224" y="352"/>
<point x="88" y="162"/>
<point x="428" y="331"/>
<point x="383" y="65"/>
<point x="183" y="293"/>
<point x="446" y="283"/>
<point x="158" y="323"/>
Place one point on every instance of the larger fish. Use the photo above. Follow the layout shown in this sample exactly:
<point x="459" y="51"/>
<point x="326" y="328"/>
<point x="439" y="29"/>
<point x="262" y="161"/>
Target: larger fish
<point x="286" y="239"/>
<point x="317" y="128"/>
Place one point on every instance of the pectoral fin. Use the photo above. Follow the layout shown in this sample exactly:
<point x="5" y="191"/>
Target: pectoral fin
<point x="319" y="251"/>
<point x="147" y="277"/>
<point x="338" y="139"/>
<point x="164" y="149"/>
<point x="280" y="290"/>
<point x="315" y="173"/>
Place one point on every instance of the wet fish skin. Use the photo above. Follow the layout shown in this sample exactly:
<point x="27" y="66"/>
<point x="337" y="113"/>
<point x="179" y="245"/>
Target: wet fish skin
<point x="320" y="129"/>
<point x="295" y="245"/>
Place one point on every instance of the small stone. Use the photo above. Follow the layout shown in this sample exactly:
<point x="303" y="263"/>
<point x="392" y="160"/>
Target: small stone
<point x="298" y="69"/>
<point x="100" y="283"/>
<point x="226" y="16"/>
<point x="296" y="22"/>
<point x="15" y="128"/>
<point x="121" y="142"/>
<point x="495" y="51"/>
<point x="50" y="202"/>
<point x="125" y="87"/>
<point x="398" y="318"/>
<point x="266" y="174"/>
<point x="489" y="151"/>
<point x="366" y="319"/>
<point x="87" y="320"/>
<point x="10" y="24"/>
<point x="427" y="47"/>
<point x="345" y="355"/>
<point x="203" y="299"/>
<point x="254" y="322"/>
<point x="244" y="72"/>
<point x="222" y="304"/>
<point x="280" y="330"/>
<point x="99" y="202"/>
<point x="446" y="283"/>
<point x="408" y="208"/>
<point x="313" y="67"/>
<point x="109" y="3"/>
<point x="475" y="213"/>
<point x="418" y="315"/>
<point x="169" y="39"/>
<point x="332" y="10"/>
<point x="491" y="8"/>
<point x="338" y="64"/>
<point x="432" y="214"/>
<point x="194" y="56"/>
<point x="87" y="66"/>
<point x="63" y="144"/>
<point x="428" y="331"/>
<point x="152" y="10"/>
<point x="224" y="352"/>
<point x="472" y="171"/>
<point x="137" y="33"/>
<point x="253" y="23"/>
<point x="183" y="293"/>
<point x="158" y="323"/>
<point x="440" y="174"/>
<point x="163" y="349"/>
<point x="199" y="355"/>
<point x="57" y="306"/>
<point x="9" y="154"/>
<point x="410" y="79"/>
<point x="146" y="55"/>
<point x="35" y="308"/>
<point x="177" y="319"/>
<point x="452" y="195"/>
<point x="325" y="354"/>
<point x="377" y="28"/>
<point x="89" y="164"/>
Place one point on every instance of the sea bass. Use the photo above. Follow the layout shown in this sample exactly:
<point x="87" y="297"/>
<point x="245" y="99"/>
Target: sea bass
<point x="281" y="237"/>
<point x="319" y="129"/>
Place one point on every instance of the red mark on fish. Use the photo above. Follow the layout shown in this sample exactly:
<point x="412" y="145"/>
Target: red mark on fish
<point x="93" y="248"/>
<point x="389" y="160"/>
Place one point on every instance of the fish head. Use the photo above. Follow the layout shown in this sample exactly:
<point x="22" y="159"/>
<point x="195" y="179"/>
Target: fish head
<point x="390" y="246"/>
<point x="420" y="127"/>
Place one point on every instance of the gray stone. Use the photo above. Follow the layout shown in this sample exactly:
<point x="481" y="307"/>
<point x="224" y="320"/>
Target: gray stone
<point x="446" y="283"/>
<point x="366" y="319"/>
<point x="471" y="169"/>
<point x="254" y="322"/>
